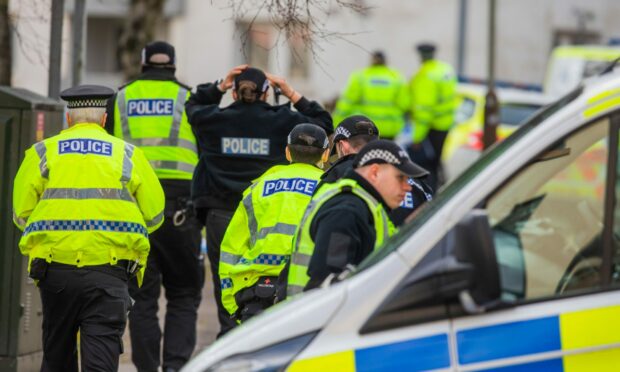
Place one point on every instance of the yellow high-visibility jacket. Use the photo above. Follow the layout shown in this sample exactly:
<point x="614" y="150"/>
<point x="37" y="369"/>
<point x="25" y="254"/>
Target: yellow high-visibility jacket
<point x="433" y="98"/>
<point x="378" y="92"/>
<point x="151" y="115"/>
<point x="84" y="197"/>
<point x="259" y="238"/>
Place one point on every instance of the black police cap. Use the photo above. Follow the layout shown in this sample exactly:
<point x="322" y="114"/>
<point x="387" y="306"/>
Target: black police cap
<point x="355" y="125"/>
<point x="388" y="152"/>
<point x="254" y="75"/>
<point x="426" y="48"/>
<point x="85" y="96"/>
<point x="307" y="134"/>
<point x="158" y="47"/>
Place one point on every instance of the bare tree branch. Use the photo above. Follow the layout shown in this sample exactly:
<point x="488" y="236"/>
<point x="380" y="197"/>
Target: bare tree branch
<point x="305" y="19"/>
<point x="32" y="44"/>
<point x="138" y="31"/>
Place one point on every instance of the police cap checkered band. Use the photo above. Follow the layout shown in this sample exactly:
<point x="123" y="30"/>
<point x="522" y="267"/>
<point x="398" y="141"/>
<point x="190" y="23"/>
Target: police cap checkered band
<point x="307" y="134"/>
<point x="388" y="152"/>
<point x="84" y="96"/>
<point x="354" y="126"/>
<point x="87" y="103"/>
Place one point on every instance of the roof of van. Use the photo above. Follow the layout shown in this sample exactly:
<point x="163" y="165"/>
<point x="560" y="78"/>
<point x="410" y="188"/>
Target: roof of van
<point x="590" y="52"/>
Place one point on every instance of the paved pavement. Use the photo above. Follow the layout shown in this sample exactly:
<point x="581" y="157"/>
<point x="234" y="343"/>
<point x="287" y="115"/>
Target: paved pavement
<point x="207" y="324"/>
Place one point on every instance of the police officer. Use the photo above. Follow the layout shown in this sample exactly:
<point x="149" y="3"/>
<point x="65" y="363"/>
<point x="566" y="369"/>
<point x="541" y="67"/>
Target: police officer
<point x="239" y="143"/>
<point x="348" y="219"/>
<point x="433" y="100"/>
<point x="86" y="202"/>
<point x="352" y="134"/>
<point x="378" y="92"/>
<point x="149" y="112"/>
<point x="258" y="240"/>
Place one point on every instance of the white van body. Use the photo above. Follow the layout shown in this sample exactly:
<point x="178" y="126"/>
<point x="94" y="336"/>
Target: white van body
<point x="570" y="64"/>
<point x="514" y="266"/>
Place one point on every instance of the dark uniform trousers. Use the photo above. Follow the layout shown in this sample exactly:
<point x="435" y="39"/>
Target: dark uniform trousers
<point x="174" y="262"/>
<point x="93" y="302"/>
<point x="216" y="222"/>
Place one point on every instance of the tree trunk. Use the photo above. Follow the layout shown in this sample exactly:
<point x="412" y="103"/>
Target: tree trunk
<point x="5" y="44"/>
<point x="142" y="20"/>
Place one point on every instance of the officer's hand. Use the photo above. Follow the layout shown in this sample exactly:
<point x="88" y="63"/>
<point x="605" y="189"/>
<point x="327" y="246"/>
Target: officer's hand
<point x="287" y="90"/>
<point x="227" y="83"/>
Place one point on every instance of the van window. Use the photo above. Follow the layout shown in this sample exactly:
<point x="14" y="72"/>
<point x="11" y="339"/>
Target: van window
<point x="548" y="219"/>
<point x="513" y="114"/>
<point x="453" y="188"/>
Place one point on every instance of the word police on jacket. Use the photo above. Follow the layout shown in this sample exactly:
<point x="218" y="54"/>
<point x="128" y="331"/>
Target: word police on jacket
<point x="149" y="107"/>
<point x="85" y="146"/>
<point x="245" y="146"/>
<point x="300" y="185"/>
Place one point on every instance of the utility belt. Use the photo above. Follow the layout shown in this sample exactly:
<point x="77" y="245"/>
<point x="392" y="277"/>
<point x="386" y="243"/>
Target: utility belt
<point x="253" y="300"/>
<point x="124" y="269"/>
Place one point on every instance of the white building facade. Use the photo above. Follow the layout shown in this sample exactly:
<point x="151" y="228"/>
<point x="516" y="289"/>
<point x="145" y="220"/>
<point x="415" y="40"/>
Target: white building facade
<point x="208" y="40"/>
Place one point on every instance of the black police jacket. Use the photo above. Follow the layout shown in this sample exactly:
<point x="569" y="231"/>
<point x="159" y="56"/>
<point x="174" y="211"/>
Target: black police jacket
<point x="240" y="142"/>
<point x="336" y="171"/>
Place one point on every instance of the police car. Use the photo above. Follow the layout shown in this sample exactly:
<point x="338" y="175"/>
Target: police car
<point x="464" y="141"/>
<point x="514" y="266"/>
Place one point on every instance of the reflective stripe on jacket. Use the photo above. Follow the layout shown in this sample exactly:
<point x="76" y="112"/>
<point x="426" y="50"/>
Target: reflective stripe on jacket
<point x="378" y="92"/>
<point x="303" y="247"/>
<point x="259" y="239"/>
<point x="433" y="98"/>
<point x="85" y="198"/>
<point x="151" y="115"/>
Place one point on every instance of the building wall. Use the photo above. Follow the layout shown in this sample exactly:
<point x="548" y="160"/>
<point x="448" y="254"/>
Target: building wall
<point x="208" y="44"/>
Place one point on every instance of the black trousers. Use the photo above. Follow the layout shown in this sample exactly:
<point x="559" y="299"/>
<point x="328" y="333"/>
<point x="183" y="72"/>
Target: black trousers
<point x="92" y="302"/>
<point x="216" y="222"/>
<point x="428" y="156"/>
<point x="174" y="262"/>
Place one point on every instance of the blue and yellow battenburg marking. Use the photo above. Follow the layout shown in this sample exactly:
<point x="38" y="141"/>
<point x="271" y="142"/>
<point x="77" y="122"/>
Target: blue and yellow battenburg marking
<point x="573" y="332"/>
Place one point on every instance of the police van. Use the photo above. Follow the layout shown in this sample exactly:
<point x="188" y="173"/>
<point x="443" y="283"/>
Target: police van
<point x="514" y="266"/>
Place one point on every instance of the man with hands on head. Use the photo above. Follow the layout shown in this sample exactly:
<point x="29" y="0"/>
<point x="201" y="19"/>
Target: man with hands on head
<point x="237" y="144"/>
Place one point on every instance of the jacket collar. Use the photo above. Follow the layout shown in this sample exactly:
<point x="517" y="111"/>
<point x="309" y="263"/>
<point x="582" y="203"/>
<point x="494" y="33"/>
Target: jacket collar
<point x="352" y="174"/>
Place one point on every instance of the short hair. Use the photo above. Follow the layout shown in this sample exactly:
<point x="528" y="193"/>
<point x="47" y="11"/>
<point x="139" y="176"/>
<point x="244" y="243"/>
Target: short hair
<point x="86" y="114"/>
<point x="359" y="141"/>
<point x="305" y="154"/>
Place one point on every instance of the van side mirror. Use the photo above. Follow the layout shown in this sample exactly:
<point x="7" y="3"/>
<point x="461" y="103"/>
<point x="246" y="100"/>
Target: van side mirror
<point x="461" y="267"/>
<point x="464" y="267"/>
<point x="474" y="245"/>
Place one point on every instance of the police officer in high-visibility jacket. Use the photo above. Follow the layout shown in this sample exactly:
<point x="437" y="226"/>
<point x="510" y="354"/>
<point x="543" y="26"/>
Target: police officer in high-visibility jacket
<point x="86" y="202"/>
<point x="258" y="240"/>
<point x="347" y="220"/>
<point x="433" y="105"/>
<point x="149" y="112"/>
<point x="378" y="92"/>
